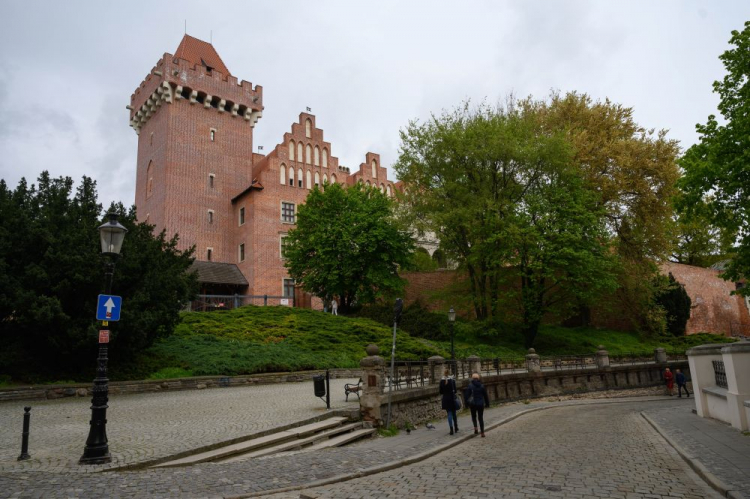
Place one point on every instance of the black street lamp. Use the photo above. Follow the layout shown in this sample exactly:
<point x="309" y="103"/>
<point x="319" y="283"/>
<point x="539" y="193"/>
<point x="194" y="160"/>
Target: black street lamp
<point x="452" y="319"/>
<point x="96" y="451"/>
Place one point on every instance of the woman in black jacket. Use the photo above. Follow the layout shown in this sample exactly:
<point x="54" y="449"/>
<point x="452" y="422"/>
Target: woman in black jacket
<point x="448" y="391"/>
<point x="475" y="395"/>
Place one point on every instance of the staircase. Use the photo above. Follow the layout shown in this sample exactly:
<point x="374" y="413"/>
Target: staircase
<point x="330" y="432"/>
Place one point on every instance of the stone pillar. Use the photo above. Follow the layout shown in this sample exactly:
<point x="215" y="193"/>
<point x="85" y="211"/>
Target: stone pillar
<point x="702" y="372"/>
<point x="736" y="358"/>
<point x="602" y="358"/>
<point x="475" y="364"/>
<point x="660" y="355"/>
<point x="533" y="364"/>
<point x="437" y="367"/>
<point x="372" y="396"/>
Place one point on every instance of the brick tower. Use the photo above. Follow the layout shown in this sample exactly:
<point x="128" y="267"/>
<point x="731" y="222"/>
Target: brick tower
<point x="194" y="122"/>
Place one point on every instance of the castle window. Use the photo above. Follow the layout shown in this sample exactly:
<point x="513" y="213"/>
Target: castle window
<point x="317" y="179"/>
<point x="242" y="252"/>
<point x="309" y="183"/>
<point x="299" y="177"/>
<point x="282" y="246"/>
<point x="308" y="129"/>
<point x="149" y="179"/>
<point x="211" y="177"/>
<point x="287" y="212"/>
<point x="368" y="183"/>
<point x="325" y="179"/>
<point x="299" y="152"/>
<point x="325" y="158"/>
<point x="282" y="174"/>
<point x="316" y="157"/>
<point x="308" y="154"/>
<point x="291" y="176"/>
<point x="210" y="216"/>
<point x="288" y="288"/>
<point x="242" y="216"/>
<point x="388" y="190"/>
<point x="382" y="188"/>
<point x="209" y="254"/>
<point x="374" y="169"/>
<point x="333" y="178"/>
<point x="291" y="151"/>
<point x="213" y="134"/>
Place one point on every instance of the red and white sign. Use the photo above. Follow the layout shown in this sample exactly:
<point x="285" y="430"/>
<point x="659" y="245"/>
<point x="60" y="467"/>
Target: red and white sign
<point x="104" y="336"/>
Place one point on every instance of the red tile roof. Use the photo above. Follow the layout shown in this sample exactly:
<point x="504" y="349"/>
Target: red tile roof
<point x="198" y="52"/>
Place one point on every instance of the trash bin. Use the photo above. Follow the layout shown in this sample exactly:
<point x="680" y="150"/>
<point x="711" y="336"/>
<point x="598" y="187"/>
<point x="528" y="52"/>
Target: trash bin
<point x="319" y="382"/>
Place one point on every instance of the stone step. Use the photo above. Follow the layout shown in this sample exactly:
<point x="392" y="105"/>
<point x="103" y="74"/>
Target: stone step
<point x="342" y="439"/>
<point x="255" y="443"/>
<point x="292" y="444"/>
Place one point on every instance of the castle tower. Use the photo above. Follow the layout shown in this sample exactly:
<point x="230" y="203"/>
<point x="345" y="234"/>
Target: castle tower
<point x="194" y="122"/>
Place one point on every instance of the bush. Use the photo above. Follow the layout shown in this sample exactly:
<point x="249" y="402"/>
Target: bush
<point x="676" y="304"/>
<point x="416" y="320"/>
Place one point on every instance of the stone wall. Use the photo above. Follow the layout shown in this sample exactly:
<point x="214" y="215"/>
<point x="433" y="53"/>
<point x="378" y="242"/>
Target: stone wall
<point x="196" y="383"/>
<point x="423" y="404"/>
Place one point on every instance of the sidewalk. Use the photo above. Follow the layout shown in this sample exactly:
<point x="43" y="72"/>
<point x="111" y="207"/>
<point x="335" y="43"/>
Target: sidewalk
<point x="722" y="452"/>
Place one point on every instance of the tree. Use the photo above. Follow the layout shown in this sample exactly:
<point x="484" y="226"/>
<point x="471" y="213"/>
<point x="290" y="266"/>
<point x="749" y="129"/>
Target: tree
<point x="347" y="244"/>
<point x="51" y="273"/>
<point x="698" y="241"/>
<point x="676" y="304"/>
<point x="717" y="168"/>
<point x="507" y="204"/>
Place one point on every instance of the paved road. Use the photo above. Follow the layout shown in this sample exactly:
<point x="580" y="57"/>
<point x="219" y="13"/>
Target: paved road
<point x="143" y="427"/>
<point x="594" y="451"/>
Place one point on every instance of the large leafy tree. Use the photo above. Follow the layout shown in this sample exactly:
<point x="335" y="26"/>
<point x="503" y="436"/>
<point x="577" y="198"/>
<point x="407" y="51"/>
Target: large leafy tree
<point x="347" y="244"/>
<point x="502" y="194"/>
<point x="717" y="168"/>
<point x="51" y="271"/>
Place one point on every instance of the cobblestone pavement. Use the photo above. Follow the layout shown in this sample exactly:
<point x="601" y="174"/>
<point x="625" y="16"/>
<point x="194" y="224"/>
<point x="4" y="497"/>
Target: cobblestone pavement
<point x="587" y="447"/>
<point x="724" y="450"/>
<point x="596" y="451"/>
<point x="147" y="426"/>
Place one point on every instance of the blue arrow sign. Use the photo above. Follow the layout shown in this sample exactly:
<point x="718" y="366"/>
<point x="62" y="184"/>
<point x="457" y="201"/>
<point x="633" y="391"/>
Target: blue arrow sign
<point x="108" y="308"/>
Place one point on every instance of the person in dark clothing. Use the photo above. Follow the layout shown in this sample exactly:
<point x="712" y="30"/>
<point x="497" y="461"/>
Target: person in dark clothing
<point x="681" y="383"/>
<point x="476" y="397"/>
<point x="448" y="391"/>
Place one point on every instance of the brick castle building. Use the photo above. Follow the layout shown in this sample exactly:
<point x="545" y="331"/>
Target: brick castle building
<point x="197" y="174"/>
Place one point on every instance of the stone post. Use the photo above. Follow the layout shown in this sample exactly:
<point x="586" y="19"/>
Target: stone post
<point x="436" y="364"/>
<point x="660" y="356"/>
<point x="533" y="364"/>
<point x="372" y="397"/>
<point x="736" y="358"/>
<point x="475" y="364"/>
<point x="602" y="358"/>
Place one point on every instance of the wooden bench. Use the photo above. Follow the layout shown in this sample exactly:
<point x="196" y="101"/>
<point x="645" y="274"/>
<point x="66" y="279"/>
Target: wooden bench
<point x="354" y="388"/>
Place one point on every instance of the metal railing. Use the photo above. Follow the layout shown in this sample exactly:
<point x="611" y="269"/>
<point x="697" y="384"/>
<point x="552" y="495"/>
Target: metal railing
<point x="209" y="303"/>
<point x="562" y="362"/>
<point x="720" y="373"/>
<point x="407" y="374"/>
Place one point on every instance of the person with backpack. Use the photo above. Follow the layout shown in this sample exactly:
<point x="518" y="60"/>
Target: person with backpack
<point x="448" y="391"/>
<point x="476" y="397"/>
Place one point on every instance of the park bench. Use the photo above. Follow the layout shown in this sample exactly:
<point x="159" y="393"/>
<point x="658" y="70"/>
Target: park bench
<point x="354" y="388"/>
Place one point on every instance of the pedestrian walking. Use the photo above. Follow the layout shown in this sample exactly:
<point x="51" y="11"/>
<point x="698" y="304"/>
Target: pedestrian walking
<point x="669" y="379"/>
<point x="334" y="307"/>
<point x="475" y="395"/>
<point x="448" y="391"/>
<point x="681" y="383"/>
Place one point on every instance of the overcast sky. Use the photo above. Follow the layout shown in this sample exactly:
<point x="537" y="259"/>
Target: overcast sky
<point x="67" y="69"/>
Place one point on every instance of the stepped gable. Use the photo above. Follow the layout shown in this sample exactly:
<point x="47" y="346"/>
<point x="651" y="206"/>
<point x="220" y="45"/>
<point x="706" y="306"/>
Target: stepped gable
<point x="200" y="53"/>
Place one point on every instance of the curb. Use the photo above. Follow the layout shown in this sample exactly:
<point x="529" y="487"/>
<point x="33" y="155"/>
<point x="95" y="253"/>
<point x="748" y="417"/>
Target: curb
<point x="695" y="464"/>
<point x="429" y="453"/>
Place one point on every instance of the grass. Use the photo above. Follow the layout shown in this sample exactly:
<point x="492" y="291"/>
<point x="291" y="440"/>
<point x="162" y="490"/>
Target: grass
<point x="253" y="339"/>
<point x="391" y="431"/>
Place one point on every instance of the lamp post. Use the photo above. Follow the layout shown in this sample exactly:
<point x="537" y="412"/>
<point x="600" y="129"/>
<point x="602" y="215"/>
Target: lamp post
<point x="111" y="234"/>
<point x="451" y="320"/>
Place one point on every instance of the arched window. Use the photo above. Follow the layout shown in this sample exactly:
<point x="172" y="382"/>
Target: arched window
<point x="316" y="157"/>
<point x="299" y="152"/>
<point x="368" y="184"/>
<point x="282" y="173"/>
<point x="325" y="158"/>
<point x="291" y="176"/>
<point x="308" y="154"/>
<point x="291" y="151"/>
<point x="325" y="179"/>
<point x="299" y="177"/>
<point x="149" y="179"/>
<point x="388" y="190"/>
<point x="374" y="169"/>
<point x="308" y="129"/>
<point x="317" y="179"/>
<point x="333" y="178"/>
<point x="382" y="188"/>
<point x="309" y="183"/>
